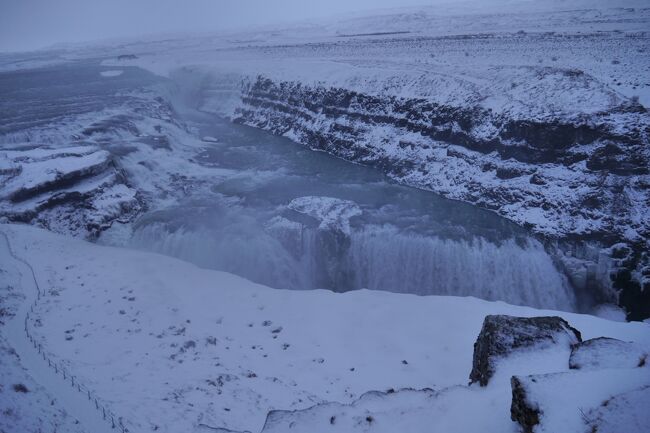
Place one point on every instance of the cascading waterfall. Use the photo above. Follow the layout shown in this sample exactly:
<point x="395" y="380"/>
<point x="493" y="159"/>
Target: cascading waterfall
<point x="241" y="250"/>
<point x="516" y="272"/>
<point x="376" y="258"/>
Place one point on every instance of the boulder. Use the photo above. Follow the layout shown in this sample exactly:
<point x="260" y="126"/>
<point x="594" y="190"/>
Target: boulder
<point x="578" y="401"/>
<point x="502" y="335"/>
<point x="603" y="352"/>
<point x="521" y="410"/>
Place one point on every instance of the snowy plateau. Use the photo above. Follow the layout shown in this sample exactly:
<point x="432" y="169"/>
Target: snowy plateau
<point x="431" y="219"/>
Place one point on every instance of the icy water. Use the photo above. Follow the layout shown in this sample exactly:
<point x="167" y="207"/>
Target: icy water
<point x="293" y="218"/>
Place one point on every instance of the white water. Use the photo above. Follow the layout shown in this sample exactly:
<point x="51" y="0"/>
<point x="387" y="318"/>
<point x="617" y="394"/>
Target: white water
<point x="378" y="258"/>
<point x="520" y="274"/>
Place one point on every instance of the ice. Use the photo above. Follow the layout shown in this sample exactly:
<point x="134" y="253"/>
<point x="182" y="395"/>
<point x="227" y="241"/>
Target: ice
<point x="111" y="73"/>
<point x="332" y="213"/>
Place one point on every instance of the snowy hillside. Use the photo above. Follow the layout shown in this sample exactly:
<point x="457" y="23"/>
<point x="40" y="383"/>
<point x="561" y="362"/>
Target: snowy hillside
<point x="172" y="347"/>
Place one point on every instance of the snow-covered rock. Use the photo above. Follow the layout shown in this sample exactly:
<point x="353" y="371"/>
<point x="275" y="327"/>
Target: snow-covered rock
<point x="501" y="336"/>
<point x="599" y="353"/>
<point x="72" y="189"/>
<point x="332" y="213"/>
<point x="551" y="403"/>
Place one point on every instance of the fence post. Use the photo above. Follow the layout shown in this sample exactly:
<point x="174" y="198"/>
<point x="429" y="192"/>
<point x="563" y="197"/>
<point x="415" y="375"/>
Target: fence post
<point x="104" y="412"/>
<point x="112" y="422"/>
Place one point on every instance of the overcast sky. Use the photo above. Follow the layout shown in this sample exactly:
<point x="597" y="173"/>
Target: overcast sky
<point x="31" y="24"/>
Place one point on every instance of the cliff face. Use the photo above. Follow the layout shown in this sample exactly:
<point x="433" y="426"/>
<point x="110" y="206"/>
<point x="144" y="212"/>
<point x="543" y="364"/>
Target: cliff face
<point x="579" y="179"/>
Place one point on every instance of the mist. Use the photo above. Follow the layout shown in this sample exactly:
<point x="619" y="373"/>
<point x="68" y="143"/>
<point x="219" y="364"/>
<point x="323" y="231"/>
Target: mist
<point x="33" y="24"/>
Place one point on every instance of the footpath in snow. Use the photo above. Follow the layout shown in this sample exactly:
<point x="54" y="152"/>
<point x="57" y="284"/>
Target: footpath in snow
<point x="77" y="400"/>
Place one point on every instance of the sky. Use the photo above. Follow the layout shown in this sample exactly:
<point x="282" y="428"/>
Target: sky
<point x="32" y="24"/>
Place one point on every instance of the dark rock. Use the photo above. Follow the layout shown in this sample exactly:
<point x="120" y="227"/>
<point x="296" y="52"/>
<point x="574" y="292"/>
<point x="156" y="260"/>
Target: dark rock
<point x="502" y="335"/>
<point x="536" y="179"/>
<point x="19" y="387"/>
<point x="621" y="251"/>
<point x="600" y="353"/>
<point x="62" y="180"/>
<point x="112" y="125"/>
<point x="634" y="297"/>
<point x="509" y="172"/>
<point x="629" y="280"/>
<point x="619" y="160"/>
<point x="286" y="104"/>
<point x="521" y="411"/>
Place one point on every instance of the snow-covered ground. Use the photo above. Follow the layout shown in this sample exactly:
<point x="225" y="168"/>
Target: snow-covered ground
<point x="35" y="395"/>
<point x="25" y="406"/>
<point x="178" y="348"/>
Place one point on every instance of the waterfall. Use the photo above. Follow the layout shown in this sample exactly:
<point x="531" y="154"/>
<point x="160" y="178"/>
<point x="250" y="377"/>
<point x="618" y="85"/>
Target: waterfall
<point x="294" y="256"/>
<point x="252" y="254"/>
<point x="516" y="272"/>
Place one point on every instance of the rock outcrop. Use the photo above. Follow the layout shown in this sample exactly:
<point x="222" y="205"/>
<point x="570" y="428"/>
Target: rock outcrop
<point x="75" y="189"/>
<point x="502" y="335"/>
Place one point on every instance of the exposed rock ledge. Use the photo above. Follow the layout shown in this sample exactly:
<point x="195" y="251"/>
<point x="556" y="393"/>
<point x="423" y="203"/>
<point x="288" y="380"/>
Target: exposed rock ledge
<point x="77" y="189"/>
